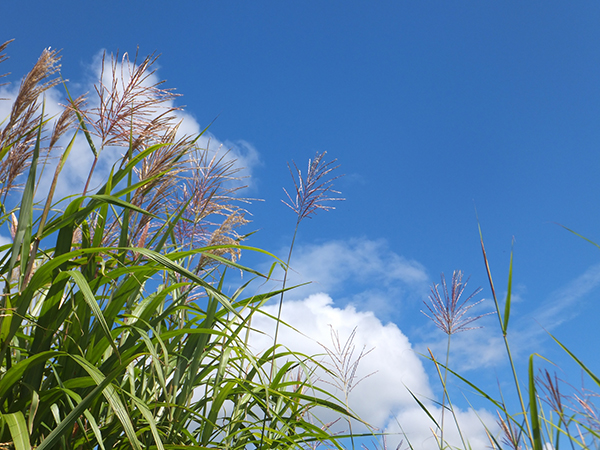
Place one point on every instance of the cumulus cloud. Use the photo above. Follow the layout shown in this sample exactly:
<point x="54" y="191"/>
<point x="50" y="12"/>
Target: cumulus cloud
<point x="244" y="155"/>
<point x="412" y="425"/>
<point x="387" y="372"/>
<point x="316" y="316"/>
<point x="359" y="271"/>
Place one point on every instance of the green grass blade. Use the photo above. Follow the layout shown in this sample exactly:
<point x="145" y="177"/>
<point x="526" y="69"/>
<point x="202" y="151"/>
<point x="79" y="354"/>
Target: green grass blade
<point x="147" y="414"/>
<point x="508" y="295"/>
<point x="24" y="227"/>
<point x="594" y="377"/>
<point x="83" y="126"/>
<point x="90" y="299"/>
<point x="536" y="437"/>
<point x="65" y="425"/>
<point x="13" y="375"/>
<point x="59" y="167"/>
<point x="113" y="399"/>
<point x="579" y="235"/>
<point x="33" y="407"/>
<point x="18" y="430"/>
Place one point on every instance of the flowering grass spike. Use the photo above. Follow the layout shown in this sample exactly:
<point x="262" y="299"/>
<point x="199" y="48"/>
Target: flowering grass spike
<point x="311" y="192"/>
<point x="447" y="311"/>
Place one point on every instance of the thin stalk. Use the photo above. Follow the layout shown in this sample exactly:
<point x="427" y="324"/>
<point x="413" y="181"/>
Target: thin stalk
<point x="89" y="178"/>
<point x="504" y="336"/>
<point x="444" y="394"/>
<point x="285" y="274"/>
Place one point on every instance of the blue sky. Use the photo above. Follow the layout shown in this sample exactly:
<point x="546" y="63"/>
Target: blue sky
<point x="432" y="110"/>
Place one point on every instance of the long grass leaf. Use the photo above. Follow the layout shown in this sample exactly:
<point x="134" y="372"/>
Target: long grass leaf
<point x="508" y="295"/>
<point x="51" y="440"/>
<point x="536" y="437"/>
<point x="113" y="399"/>
<point x="12" y="376"/>
<point x="147" y="414"/>
<point x="24" y="227"/>
<point x="59" y="167"/>
<point x="18" y="430"/>
<point x="591" y="374"/>
<point x="90" y="299"/>
<point x="580" y="235"/>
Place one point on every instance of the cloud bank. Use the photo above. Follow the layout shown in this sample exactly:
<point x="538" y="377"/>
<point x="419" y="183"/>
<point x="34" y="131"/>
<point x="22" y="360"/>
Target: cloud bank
<point x="388" y="373"/>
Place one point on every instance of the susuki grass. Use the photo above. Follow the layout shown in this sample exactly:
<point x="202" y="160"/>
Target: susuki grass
<point x="116" y="329"/>
<point x="447" y="312"/>
<point x="551" y="413"/>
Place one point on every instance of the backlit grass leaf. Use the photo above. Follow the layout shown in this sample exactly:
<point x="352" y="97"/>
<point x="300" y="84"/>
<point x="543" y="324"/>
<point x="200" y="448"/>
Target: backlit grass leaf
<point x="18" y="430"/>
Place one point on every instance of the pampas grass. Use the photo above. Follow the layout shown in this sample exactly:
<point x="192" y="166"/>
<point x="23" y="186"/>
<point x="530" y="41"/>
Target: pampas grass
<point x="115" y="329"/>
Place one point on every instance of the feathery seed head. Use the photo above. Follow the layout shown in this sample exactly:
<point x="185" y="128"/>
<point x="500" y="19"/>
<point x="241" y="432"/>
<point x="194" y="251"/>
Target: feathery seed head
<point x="3" y="58"/>
<point x="511" y="436"/>
<point x="313" y="190"/>
<point x="18" y="136"/>
<point x="447" y="310"/>
<point x="132" y="105"/>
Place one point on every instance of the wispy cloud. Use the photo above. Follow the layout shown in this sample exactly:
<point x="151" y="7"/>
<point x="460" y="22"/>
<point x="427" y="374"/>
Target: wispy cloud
<point x="527" y="331"/>
<point x="561" y="305"/>
<point x="360" y="271"/>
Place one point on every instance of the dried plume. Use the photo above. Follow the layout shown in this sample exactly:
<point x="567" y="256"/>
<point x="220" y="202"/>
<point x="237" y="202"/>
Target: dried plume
<point x="3" y="58"/>
<point x="66" y="120"/>
<point x="447" y="310"/>
<point x="32" y="86"/>
<point x="208" y="195"/>
<point x="135" y="112"/>
<point x="585" y="405"/>
<point x="313" y="190"/>
<point x="19" y="133"/>
<point x="132" y="109"/>
<point x="554" y="397"/>
<point x="343" y="361"/>
<point x="511" y="435"/>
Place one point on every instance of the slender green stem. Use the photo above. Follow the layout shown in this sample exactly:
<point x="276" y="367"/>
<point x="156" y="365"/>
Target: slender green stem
<point x="504" y="333"/>
<point x="272" y="370"/>
<point x="285" y="274"/>
<point x="444" y="394"/>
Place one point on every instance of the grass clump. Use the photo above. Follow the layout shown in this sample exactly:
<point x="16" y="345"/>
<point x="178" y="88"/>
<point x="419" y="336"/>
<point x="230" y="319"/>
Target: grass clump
<point x="551" y="414"/>
<point x="116" y="330"/>
<point x="116" y="326"/>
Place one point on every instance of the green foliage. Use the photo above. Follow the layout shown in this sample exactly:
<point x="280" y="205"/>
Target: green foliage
<point x="116" y="330"/>
<point x="551" y="411"/>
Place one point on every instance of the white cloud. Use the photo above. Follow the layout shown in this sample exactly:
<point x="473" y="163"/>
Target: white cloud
<point x="483" y="348"/>
<point x="244" y="155"/>
<point x="560" y="305"/>
<point x="348" y="271"/>
<point x="316" y="316"/>
<point x="392" y="368"/>
<point x="376" y="276"/>
<point x="413" y="425"/>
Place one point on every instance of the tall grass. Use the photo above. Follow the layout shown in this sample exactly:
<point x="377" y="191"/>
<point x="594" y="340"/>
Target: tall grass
<point x="116" y="329"/>
<point x="116" y="326"/>
<point x="551" y="414"/>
